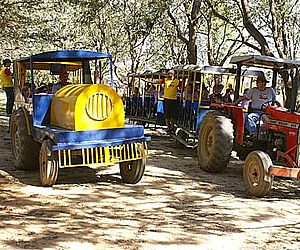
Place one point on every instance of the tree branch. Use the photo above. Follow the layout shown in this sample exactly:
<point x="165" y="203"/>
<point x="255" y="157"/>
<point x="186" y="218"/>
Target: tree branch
<point x="178" y="31"/>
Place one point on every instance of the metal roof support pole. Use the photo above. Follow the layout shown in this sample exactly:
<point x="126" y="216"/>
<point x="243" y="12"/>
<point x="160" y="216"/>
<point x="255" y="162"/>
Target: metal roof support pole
<point x="238" y="82"/>
<point x="111" y="72"/>
<point x="295" y="84"/>
<point x="32" y="80"/>
<point x="100" y="72"/>
<point x="83" y="72"/>
<point x="274" y="79"/>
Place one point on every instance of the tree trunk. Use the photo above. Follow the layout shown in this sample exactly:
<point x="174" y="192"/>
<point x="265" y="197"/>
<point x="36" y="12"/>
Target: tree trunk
<point x="191" y="45"/>
<point x="253" y="31"/>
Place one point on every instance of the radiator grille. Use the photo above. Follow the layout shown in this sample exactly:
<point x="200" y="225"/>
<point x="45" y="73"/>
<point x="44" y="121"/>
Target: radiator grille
<point x="102" y="155"/>
<point x="99" y="107"/>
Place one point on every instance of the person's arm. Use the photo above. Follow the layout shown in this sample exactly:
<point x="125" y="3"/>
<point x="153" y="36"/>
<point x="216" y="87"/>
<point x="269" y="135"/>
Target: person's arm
<point x="247" y="96"/>
<point x="159" y="81"/>
<point x="273" y="95"/>
<point x="241" y="98"/>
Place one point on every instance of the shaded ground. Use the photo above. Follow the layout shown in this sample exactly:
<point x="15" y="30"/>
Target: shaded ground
<point x="175" y="206"/>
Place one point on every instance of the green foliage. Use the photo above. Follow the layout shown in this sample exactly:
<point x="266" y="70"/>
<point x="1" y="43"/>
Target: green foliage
<point x="141" y="34"/>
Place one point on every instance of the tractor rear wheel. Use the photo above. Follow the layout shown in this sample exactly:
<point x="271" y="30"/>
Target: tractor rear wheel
<point x="257" y="180"/>
<point x="215" y="142"/>
<point x="24" y="149"/>
<point x="48" y="164"/>
<point x="132" y="171"/>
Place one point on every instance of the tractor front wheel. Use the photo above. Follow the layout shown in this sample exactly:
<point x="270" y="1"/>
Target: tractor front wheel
<point x="257" y="180"/>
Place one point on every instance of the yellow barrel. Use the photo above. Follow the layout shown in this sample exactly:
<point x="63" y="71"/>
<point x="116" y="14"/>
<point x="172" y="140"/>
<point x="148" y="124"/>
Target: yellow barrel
<point x="87" y="107"/>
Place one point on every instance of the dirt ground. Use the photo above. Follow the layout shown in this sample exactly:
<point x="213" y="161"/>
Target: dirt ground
<point x="175" y="206"/>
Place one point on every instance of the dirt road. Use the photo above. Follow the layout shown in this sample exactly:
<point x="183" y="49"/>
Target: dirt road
<point x="175" y="206"/>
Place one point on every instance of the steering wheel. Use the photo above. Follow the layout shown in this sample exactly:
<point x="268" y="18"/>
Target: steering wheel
<point x="270" y="103"/>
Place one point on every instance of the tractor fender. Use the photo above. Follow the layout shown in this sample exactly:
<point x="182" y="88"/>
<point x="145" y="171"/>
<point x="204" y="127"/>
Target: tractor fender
<point x="237" y="116"/>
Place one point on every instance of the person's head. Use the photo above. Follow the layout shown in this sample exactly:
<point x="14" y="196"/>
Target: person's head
<point x="217" y="89"/>
<point x="6" y="62"/>
<point x="220" y="87"/>
<point x="50" y="87"/>
<point x="26" y="91"/>
<point x="188" y="88"/>
<point x="170" y="74"/>
<point x="63" y="76"/>
<point x="261" y="82"/>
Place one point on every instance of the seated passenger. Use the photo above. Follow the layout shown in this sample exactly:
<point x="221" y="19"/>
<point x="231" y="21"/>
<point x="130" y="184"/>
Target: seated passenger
<point x="216" y="96"/>
<point x="153" y="100"/>
<point x="41" y="89"/>
<point x="49" y="88"/>
<point x="228" y="97"/>
<point x="26" y="93"/>
<point x="187" y="97"/>
<point x="63" y="76"/>
<point x="147" y="100"/>
<point x="259" y="96"/>
<point x="136" y="101"/>
<point x="205" y="93"/>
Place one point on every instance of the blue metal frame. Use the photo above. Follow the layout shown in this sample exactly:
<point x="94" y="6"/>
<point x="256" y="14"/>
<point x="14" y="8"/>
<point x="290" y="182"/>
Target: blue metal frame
<point x="66" y="139"/>
<point x="66" y="55"/>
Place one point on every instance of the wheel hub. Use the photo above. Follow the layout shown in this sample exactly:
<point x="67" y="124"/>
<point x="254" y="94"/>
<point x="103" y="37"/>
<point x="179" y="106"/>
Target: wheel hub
<point x="209" y="143"/>
<point x="254" y="174"/>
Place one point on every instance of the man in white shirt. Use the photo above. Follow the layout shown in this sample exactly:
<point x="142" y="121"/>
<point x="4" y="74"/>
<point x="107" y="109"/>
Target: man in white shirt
<point x="258" y="95"/>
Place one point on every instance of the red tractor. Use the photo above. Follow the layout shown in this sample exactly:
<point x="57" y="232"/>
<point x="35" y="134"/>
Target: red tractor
<point x="275" y="149"/>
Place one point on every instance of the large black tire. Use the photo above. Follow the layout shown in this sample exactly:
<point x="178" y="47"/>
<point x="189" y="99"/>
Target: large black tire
<point x="24" y="149"/>
<point x="215" y="142"/>
<point x="257" y="180"/>
<point x="132" y="171"/>
<point x="48" y="164"/>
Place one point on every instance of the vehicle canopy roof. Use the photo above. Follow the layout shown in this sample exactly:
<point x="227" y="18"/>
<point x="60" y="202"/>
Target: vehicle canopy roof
<point x="265" y="62"/>
<point x="66" y="55"/>
<point x="72" y="58"/>
<point x="183" y="71"/>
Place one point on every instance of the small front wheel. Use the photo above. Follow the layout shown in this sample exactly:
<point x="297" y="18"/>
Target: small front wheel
<point x="132" y="171"/>
<point x="257" y="180"/>
<point x="48" y="164"/>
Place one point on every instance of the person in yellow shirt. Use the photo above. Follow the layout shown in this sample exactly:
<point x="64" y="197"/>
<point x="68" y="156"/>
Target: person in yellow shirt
<point x="7" y="84"/>
<point x="171" y="106"/>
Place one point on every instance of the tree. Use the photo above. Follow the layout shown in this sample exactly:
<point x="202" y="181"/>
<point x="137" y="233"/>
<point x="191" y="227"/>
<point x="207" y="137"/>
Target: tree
<point x="185" y="17"/>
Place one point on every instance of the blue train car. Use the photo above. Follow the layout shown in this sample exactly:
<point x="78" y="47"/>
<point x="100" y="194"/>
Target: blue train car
<point x="201" y="89"/>
<point x="80" y="124"/>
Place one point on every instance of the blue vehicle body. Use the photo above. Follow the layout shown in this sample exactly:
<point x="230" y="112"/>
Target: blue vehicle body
<point x="105" y="139"/>
<point x="193" y="104"/>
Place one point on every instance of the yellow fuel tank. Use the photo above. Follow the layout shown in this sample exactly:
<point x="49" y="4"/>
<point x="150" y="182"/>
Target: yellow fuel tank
<point x="87" y="107"/>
